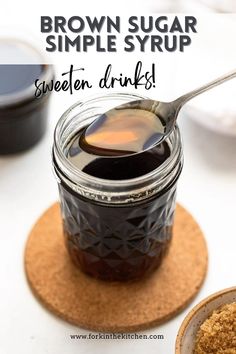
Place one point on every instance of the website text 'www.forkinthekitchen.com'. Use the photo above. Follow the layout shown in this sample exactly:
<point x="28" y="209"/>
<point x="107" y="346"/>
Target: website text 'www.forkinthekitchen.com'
<point x="116" y="336"/>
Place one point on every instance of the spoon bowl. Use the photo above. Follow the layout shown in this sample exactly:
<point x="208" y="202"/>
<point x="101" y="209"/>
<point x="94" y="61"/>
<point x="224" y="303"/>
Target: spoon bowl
<point x="137" y="126"/>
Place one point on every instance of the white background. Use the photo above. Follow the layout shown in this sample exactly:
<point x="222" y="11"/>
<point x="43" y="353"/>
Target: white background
<point x="207" y="188"/>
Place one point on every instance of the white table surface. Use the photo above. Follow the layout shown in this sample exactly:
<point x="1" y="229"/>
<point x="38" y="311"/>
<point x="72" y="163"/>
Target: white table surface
<point x="207" y="188"/>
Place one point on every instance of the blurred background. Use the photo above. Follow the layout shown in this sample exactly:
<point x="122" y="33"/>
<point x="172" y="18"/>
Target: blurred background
<point x="199" y="6"/>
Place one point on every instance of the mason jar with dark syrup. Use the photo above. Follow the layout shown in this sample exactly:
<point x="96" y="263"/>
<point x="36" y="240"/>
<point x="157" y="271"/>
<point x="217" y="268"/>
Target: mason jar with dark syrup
<point x="117" y="212"/>
<point x="23" y="117"/>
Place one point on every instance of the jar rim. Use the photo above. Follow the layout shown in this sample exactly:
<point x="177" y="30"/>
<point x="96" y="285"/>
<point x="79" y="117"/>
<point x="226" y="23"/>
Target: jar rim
<point x="74" y="175"/>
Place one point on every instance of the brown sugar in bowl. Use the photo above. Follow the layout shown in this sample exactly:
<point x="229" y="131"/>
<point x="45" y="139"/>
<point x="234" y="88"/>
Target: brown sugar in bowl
<point x="186" y="338"/>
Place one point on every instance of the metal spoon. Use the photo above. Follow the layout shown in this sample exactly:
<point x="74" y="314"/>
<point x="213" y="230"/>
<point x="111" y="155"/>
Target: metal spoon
<point x="161" y="117"/>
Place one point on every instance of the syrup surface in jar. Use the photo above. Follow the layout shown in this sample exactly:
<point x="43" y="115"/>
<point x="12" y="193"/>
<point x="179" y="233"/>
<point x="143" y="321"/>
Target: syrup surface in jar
<point x="116" y="168"/>
<point x="17" y="77"/>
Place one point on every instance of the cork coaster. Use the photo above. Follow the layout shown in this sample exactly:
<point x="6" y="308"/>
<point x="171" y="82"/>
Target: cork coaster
<point x="114" y="307"/>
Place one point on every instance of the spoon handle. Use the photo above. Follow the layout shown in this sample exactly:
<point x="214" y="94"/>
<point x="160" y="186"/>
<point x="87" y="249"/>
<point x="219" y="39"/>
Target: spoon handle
<point x="179" y="102"/>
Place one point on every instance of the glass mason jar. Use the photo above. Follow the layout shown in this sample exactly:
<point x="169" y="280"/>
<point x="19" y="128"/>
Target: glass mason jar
<point x="23" y="117"/>
<point x="114" y="229"/>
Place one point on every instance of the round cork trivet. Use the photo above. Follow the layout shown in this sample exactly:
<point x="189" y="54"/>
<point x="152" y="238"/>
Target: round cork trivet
<point x="114" y="307"/>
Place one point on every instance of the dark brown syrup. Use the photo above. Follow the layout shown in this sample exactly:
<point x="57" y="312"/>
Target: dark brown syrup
<point x="117" y="242"/>
<point x="124" y="130"/>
